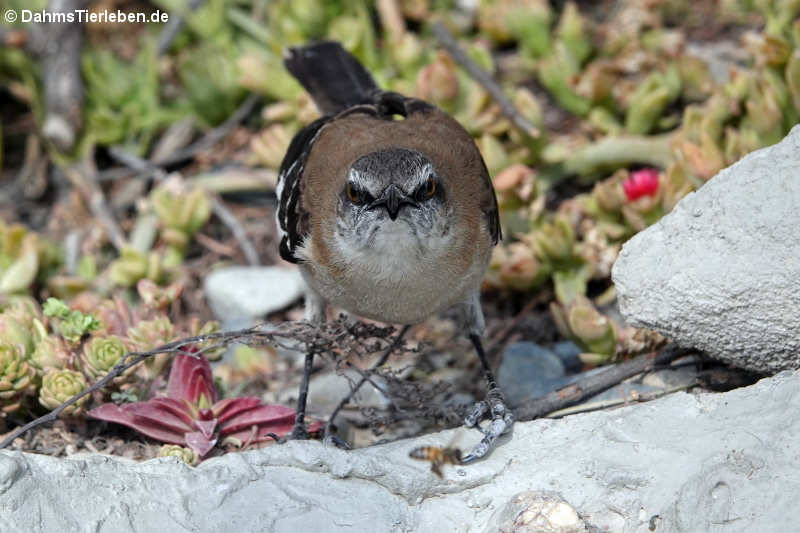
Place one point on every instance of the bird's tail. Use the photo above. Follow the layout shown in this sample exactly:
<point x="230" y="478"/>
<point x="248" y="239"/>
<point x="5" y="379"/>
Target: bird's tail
<point x="331" y="75"/>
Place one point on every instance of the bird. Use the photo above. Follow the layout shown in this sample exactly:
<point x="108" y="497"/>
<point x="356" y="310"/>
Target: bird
<point x="387" y="207"/>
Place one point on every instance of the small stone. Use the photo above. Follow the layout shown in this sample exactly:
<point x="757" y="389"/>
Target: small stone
<point x="537" y="512"/>
<point x="528" y="371"/>
<point x="568" y="352"/>
<point x="326" y="391"/>
<point x="241" y="294"/>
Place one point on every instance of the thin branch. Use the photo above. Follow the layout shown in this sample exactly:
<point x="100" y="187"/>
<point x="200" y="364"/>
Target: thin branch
<point x="381" y="360"/>
<point x="83" y="176"/>
<point x="605" y="404"/>
<point x="223" y="213"/>
<point x="173" y="28"/>
<point x="239" y="233"/>
<point x="63" y="84"/>
<point x="485" y="79"/>
<point x="212" y="137"/>
<point x="597" y="383"/>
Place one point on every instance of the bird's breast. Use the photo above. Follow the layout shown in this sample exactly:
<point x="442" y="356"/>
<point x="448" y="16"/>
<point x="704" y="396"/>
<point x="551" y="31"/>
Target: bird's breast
<point x="399" y="277"/>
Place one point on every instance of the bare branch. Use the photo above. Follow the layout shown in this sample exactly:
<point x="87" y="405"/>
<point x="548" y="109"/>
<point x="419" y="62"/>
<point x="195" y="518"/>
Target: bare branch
<point x="173" y="28"/>
<point x="485" y="79"/>
<point x="83" y="176"/>
<point x="597" y="383"/>
<point x="223" y="213"/>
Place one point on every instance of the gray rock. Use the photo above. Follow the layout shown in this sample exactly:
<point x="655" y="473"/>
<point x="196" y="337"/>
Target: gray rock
<point x="687" y="463"/>
<point x="568" y="352"/>
<point x="721" y="271"/>
<point x="242" y="294"/>
<point x="528" y="371"/>
<point x="328" y="389"/>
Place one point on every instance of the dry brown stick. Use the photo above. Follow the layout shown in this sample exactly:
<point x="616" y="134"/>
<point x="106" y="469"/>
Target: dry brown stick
<point x="395" y="343"/>
<point x="239" y="233"/>
<point x="216" y="134"/>
<point x="83" y="176"/>
<point x="485" y="79"/>
<point x="173" y="28"/>
<point x="391" y="19"/>
<point x="208" y="140"/>
<point x="223" y="213"/>
<point x="594" y="384"/>
<point x="631" y="399"/>
<point x="63" y="84"/>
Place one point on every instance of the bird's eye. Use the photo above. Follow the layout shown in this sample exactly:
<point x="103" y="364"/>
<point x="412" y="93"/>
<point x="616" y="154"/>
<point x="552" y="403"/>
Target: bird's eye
<point x="354" y="194"/>
<point x="427" y="189"/>
<point x="430" y="187"/>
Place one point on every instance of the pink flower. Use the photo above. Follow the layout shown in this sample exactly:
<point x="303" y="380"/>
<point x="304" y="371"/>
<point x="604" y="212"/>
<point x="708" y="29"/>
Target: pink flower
<point x="191" y="415"/>
<point x="642" y="182"/>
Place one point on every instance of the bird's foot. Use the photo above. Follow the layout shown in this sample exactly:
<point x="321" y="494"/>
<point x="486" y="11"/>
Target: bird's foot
<point x="333" y="440"/>
<point x="501" y="421"/>
<point x="299" y="432"/>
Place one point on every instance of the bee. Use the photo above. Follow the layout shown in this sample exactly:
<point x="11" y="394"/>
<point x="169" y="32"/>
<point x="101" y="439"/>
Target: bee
<point x="437" y="456"/>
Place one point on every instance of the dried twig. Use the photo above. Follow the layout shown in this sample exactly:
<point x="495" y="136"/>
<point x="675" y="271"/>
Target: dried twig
<point x="223" y="213"/>
<point x="391" y="19"/>
<point x="208" y="140"/>
<point x="174" y="27"/>
<point x="632" y="398"/>
<point x="239" y="233"/>
<point x="597" y="383"/>
<point x="215" y="135"/>
<point x="364" y="378"/>
<point x="63" y="85"/>
<point x="83" y="176"/>
<point x="485" y="79"/>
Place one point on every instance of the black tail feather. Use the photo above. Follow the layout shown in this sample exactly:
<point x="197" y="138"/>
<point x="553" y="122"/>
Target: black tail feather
<point x="334" y="78"/>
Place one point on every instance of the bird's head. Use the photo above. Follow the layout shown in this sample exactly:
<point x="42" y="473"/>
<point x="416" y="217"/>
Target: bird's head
<point x="392" y="193"/>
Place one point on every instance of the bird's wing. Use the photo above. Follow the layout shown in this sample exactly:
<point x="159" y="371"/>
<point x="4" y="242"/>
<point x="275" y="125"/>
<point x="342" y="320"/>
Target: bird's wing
<point x="292" y="217"/>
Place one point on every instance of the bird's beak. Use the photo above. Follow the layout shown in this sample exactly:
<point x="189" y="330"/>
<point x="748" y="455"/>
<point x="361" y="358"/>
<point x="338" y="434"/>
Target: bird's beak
<point x="392" y="198"/>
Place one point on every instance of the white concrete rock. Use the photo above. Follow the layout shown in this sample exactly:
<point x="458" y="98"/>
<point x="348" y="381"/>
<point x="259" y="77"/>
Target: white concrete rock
<point x="706" y="463"/>
<point x="721" y="272"/>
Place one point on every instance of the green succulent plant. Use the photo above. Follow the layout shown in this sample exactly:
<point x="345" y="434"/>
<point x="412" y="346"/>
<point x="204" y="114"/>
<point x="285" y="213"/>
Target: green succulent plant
<point x="69" y="323"/>
<point x="16" y="377"/>
<point x="580" y="321"/>
<point x="59" y="386"/>
<point x="100" y="355"/>
<point x="187" y="455"/>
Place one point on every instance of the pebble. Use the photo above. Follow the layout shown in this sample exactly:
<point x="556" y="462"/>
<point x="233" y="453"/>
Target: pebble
<point x="528" y="371"/>
<point x="244" y="295"/>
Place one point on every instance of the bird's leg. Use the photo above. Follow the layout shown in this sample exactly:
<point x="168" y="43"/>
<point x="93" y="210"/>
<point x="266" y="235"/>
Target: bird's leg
<point x="299" y="431"/>
<point x="314" y="313"/>
<point x="330" y="428"/>
<point x="501" y="417"/>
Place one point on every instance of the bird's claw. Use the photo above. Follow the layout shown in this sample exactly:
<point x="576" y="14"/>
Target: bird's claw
<point x="333" y="440"/>
<point x="502" y="420"/>
<point x="299" y="432"/>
